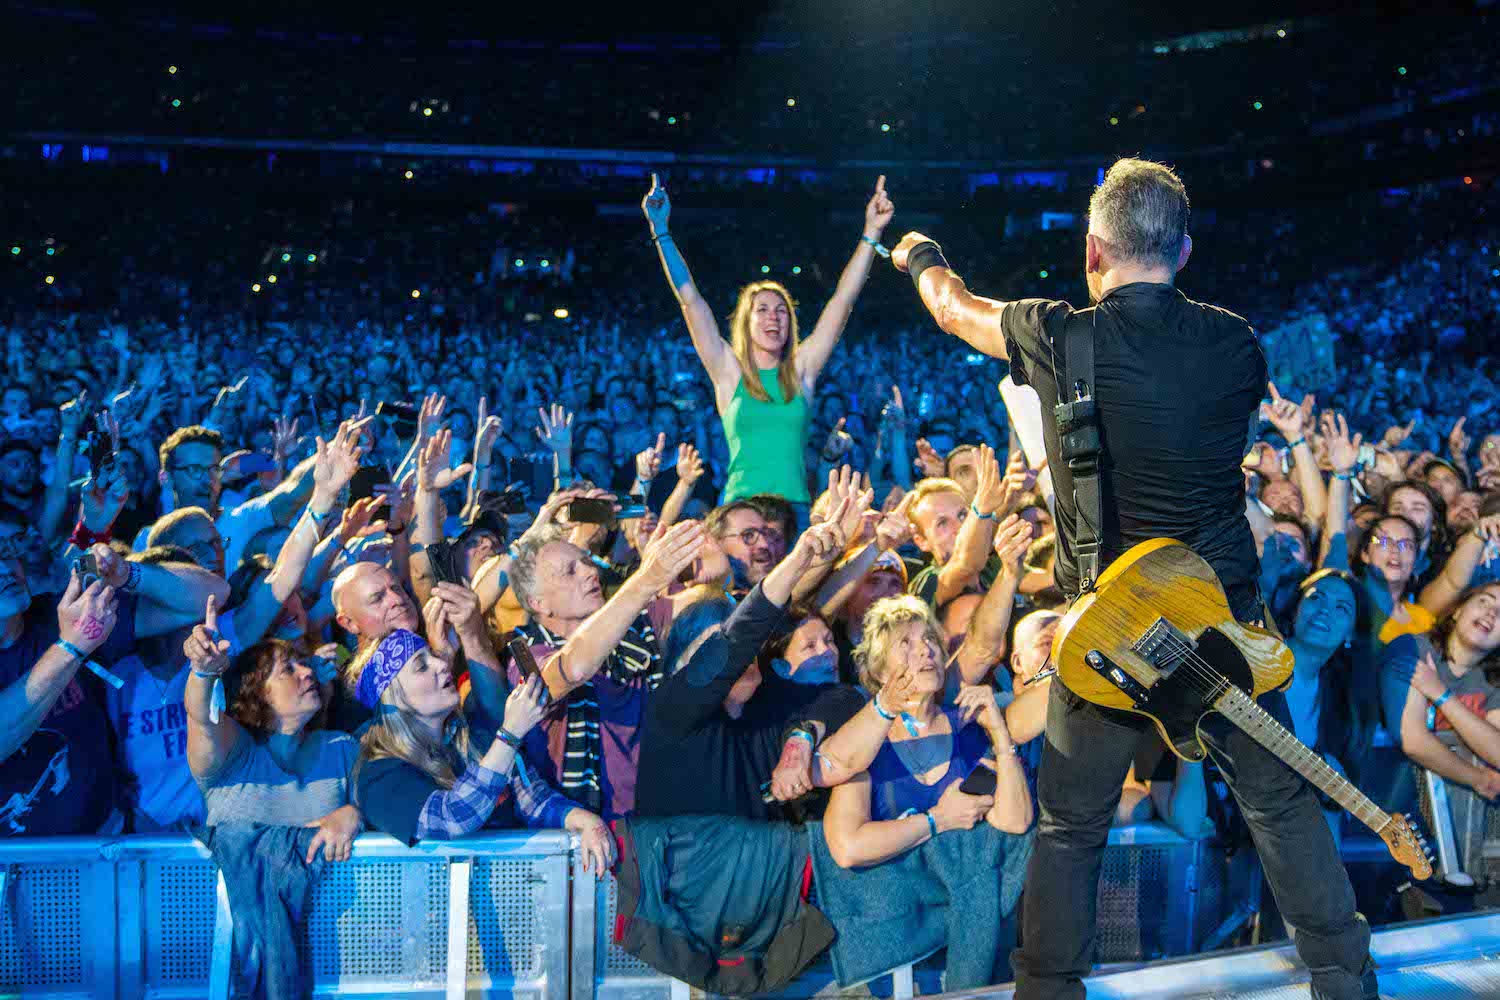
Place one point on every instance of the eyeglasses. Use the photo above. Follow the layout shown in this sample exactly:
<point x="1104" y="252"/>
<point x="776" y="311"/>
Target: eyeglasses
<point x="751" y="535"/>
<point x="1405" y="546"/>
<point x="197" y="471"/>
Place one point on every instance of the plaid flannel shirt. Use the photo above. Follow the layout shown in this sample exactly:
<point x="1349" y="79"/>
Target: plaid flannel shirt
<point x="466" y="806"/>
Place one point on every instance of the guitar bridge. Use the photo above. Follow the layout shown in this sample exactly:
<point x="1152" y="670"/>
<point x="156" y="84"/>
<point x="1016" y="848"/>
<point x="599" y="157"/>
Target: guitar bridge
<point x="1163" y="646"/>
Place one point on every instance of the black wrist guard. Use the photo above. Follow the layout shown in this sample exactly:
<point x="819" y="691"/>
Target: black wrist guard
<point x="921" y="257"/>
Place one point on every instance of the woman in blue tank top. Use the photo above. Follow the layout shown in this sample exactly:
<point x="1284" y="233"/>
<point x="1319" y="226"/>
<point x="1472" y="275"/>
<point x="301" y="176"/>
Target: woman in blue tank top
<point x="911" y="792"/>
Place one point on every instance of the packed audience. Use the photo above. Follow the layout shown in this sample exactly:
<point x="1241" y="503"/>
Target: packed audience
<point x="451" y="557"/>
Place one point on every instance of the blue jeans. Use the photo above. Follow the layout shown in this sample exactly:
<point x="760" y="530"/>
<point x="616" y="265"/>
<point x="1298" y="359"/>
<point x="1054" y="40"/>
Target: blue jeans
<point x="1088" y="749"/>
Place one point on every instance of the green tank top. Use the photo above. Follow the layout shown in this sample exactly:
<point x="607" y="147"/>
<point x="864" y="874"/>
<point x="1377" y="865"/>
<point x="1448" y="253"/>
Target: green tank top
<point x="767" y="443"/>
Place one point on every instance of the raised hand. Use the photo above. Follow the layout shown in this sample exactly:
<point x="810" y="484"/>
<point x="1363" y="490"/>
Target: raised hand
<point x="462" y="608"/>
<point x="689" y="464"/>
<point x="929" y="462"/>
<point x="229" y="395"/>
<point x="648" y="462"/>
<point x="879" y="211"/>
<point x="556" y="430"/>
<point x="338" y="460"/>
<point x="206" y="652"/>
<point x="1458" y="441"/>
<point x="86" y="615"/>
<point x="893" y="414"/>
<point x="1012" y="542"/>
<point x="657" y="206"/>
<point x="439" y="629"/>
<point x="429" y="418"/>
<point x="358" y="520"/>
<point x="993" y="492"/>
<point x="283" y="440"/>
<point x="102" y="499"/>
<point x="838" y="443"/>
<point x="486" y="431"/>
<point x="1286" y="416"/>
<point x="1343" y="452"/>
<point x="667" y="556"/>
<point x="1020" y="479"/>
<point x="903" y="250"/>
<point x="825" y="541"/>
<point x="433" y="473"/>
<point x="71" y="415"/>
<point x="977" y="703"/>
<point x="1395" y="437"/>
<point x="525" y="706"/>
<point x="895" y="528"/>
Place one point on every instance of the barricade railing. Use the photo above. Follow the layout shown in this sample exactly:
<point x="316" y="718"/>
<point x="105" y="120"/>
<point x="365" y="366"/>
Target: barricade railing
<point x="506" y="914"/>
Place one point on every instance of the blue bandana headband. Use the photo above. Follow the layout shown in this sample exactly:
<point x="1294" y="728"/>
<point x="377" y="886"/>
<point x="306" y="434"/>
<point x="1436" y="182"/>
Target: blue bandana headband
<point x="389" y="657"/>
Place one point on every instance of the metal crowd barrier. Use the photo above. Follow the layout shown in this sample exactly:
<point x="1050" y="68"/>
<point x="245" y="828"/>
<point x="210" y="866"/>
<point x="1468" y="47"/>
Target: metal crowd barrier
<point x="507" y="914"/>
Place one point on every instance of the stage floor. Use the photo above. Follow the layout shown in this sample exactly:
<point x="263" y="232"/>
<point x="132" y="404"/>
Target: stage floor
<point x="1449" y="959"/>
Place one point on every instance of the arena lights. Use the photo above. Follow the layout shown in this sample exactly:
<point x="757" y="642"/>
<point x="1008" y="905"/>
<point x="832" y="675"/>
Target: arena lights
<point x="797" y="269"/>
<point x="416" y="293"/>
<point x="176" y="102"/>
<point x="409" y="175"/>
<point x="286" y="257"/>
<point x="50" y="279"/>
<point x="53" y="250"/>
<point x="1401" y="70"/>
<point x="791" y="102"/>
<point x="885" y="126"/>
<point x="546" y="264"/>
<point x="271" y="278"/>
<point x="1257" y="105"/>
<point x="671" y="119"/>
<point x="520" y="262"/>
<point x="15" y="250"/>
<point x="560" y="313"/>
<point x="172" y="70"/>
<point x="312" y="258"/>
<point x="765" y="269"/>
<point x="1113" y="120"/>
<point x="426" y="112"/>
<point x="1280" y="32"/>
<point x="1042" y="273"/>
<point x="255" y="287"/>
<point x="1467" y="180"/>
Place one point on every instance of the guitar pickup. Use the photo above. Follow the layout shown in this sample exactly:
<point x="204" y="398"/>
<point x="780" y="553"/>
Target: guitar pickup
<point x="1163" y="646"/>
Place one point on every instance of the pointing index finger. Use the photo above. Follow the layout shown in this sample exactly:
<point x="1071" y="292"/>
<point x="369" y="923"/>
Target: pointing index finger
<point x="880" y="184"/>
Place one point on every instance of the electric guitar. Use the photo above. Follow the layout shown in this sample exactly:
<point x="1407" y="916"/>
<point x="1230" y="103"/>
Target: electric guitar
<point x="1156" y="637"/>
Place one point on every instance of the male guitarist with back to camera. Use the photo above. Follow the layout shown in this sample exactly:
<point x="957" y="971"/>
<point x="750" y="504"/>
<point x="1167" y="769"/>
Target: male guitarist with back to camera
<point x="1176" y="383"/>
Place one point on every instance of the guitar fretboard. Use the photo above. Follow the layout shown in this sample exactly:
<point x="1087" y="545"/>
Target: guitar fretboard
<point x="1242" y="710"/>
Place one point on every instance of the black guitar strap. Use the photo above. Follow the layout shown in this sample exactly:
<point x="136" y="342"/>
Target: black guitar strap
<point x="1077" y="419"/>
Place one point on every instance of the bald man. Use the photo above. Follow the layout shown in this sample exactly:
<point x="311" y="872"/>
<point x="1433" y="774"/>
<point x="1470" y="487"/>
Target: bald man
<point x="370" y="603"/>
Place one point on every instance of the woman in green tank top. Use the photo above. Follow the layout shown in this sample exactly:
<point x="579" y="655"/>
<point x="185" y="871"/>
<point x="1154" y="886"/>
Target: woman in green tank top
<point x="762" y="376"/>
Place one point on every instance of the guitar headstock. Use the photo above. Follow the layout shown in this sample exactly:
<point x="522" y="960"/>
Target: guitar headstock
<point x="1408" y="846"/>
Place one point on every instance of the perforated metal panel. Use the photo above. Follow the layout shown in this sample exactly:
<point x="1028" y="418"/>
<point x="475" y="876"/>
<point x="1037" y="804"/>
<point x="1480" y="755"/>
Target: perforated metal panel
<point x="616" y="963"/>
<point x="1132" y="901"/>
<point x="179" y="921"/>
<point x="435" y="892"/>
<point x="354" y="927"/>
<point x="42" y="929"/>
<point x="504" y="915"/>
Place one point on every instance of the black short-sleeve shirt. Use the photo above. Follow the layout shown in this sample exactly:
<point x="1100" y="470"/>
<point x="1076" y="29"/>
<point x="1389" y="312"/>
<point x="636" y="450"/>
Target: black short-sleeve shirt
<point x="1177" y="383"/>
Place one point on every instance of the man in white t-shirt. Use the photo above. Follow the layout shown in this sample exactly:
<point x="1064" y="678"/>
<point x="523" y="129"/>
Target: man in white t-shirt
<point x="191" y="476"/>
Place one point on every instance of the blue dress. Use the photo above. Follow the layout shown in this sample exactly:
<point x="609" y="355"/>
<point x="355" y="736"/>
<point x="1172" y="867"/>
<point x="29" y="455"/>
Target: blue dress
<point x="896" y="792"/>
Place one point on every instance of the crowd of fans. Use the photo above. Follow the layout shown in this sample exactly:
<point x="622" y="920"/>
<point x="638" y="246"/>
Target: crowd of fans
<point x="373" y="520"/>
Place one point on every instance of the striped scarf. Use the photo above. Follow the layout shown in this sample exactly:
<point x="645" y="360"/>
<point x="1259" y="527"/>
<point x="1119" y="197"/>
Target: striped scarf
<point x="634" y="661"/>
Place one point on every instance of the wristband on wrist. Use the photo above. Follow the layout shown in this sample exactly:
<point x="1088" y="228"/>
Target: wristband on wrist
<point x="921" y="257"/>
<point x="82" y="538"/>
<point x="319" y="519"/>
<point x="509" y="738"/>
<point x="1345" y="476"/>
<point x="657" y="238"/>
<point x="1300" y="440"/>
<point x="1438" y="702"/>
<point x="72" y="650"/>
<point x="134" y="579"/>
<point x="880" y="710"/>
<point x="991" y="516"/>
<point x="803" y="734"/>
<point x="875" y="245"/>
<point x="931" y="823"/>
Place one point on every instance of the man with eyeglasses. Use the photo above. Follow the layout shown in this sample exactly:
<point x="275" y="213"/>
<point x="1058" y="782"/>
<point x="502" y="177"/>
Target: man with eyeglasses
<point x="59" y="769"/>
<point x="191" y="474"/>
<point x="748" y="539"/>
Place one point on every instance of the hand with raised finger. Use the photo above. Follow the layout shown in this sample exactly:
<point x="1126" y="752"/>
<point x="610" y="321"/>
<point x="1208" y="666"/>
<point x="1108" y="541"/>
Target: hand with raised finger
<point x="895" y="528"/>
<point x="657" y="206"/>
<point x="487" y="429"/>
<point x="1458" y="441"/>
<point x="879" y="211"/>
<point x="838" y="443"/>
<point x="648" y="461"/>
<point x="929" y="462"/>
<point x="206" y="652"/>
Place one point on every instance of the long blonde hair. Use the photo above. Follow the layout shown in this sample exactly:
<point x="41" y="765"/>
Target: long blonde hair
<point x="739" y="341"/>
<point x="392" y="733"/>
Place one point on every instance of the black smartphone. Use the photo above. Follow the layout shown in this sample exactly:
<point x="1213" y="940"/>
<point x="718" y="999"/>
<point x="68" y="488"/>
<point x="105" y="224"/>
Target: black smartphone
<point x="101" y="451"/>
<point x="402" y="417"/>
<point x="365" y="480"/>
<point x="587" y="511"/>
<point x="520" y="650"/>
<point x="981" y="781"/>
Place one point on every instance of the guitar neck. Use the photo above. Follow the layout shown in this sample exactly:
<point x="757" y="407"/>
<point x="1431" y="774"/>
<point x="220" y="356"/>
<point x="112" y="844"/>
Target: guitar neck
<point x="1239" y="708"/>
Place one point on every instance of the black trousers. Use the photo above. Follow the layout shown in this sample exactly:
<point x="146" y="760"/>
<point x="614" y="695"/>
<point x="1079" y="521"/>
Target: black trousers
<point x="1087" y="753"/>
